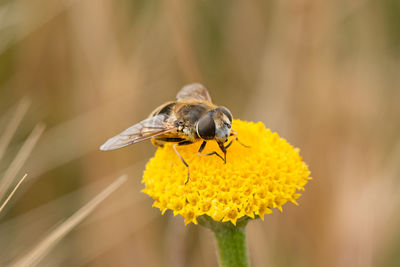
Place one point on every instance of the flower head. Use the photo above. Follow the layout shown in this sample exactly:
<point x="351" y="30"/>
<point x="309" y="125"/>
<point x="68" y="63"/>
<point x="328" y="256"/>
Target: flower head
<point x="253" y="181"/>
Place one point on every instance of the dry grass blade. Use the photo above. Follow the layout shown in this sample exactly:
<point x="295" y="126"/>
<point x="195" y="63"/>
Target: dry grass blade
<point x="20" y="159"/>
<point x="37" y="253"/>
<point x="13" y="125"/>
<point x="12" y="16"/>
<point x="12" y="193"/>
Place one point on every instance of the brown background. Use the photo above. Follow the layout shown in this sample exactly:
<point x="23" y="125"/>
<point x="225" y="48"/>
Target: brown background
<point x="323" y="74"/>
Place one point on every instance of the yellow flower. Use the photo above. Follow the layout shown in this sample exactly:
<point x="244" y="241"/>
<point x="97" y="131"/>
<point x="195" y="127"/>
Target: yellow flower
<point x="253" y="181"/>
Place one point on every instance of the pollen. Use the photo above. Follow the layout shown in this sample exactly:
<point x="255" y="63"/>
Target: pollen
<point x="257" y="178"/>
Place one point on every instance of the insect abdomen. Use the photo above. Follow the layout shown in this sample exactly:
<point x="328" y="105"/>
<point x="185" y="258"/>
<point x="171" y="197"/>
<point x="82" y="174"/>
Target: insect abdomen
<point x="165" y="109"/>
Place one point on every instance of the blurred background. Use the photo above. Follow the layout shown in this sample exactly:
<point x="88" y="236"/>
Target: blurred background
<point x="325" y="75"/>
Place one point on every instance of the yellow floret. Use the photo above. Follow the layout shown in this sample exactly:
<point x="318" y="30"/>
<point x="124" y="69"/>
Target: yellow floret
<point x="253" y="181"/>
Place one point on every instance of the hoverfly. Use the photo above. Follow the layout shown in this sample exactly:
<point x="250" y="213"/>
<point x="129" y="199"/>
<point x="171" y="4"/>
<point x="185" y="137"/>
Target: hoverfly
<point x="191" y="118"/>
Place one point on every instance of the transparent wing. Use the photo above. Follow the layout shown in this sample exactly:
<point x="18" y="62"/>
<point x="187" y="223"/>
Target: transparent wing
<point x="148" y="128"/>
<point x="194" y="91"/>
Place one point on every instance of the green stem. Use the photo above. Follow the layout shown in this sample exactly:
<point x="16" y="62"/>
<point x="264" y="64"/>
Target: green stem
<point x="232" y="247"/>
<point x="231" y="241"/>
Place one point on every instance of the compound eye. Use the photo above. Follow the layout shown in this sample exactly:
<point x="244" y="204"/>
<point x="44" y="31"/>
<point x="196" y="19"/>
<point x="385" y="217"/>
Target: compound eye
<point x="206" y="127"/>
<point x="226" y="112"/>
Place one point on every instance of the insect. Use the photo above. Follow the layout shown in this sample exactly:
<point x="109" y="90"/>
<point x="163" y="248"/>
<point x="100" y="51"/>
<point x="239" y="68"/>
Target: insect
<point x="191" y="118"/>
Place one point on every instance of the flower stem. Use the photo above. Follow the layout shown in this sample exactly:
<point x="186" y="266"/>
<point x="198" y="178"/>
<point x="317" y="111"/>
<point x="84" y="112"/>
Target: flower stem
<point x="231" y="241"/>
<point x="232" y="247"/>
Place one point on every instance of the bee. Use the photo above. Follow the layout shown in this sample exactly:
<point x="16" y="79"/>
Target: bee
<point x="191" y="118"/>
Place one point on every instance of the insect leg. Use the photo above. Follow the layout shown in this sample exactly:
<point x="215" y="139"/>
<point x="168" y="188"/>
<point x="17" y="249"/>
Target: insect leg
<point x="203" y="145"/>
<point x="230" y="143"/>
<point x="212" y="153"/>
<point x="233" y="133"/>
<point x="179" y="155"/>
<point x="223" y="149"/>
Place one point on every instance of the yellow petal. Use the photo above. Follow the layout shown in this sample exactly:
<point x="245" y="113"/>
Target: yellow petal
<point x="255" y="179"/>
